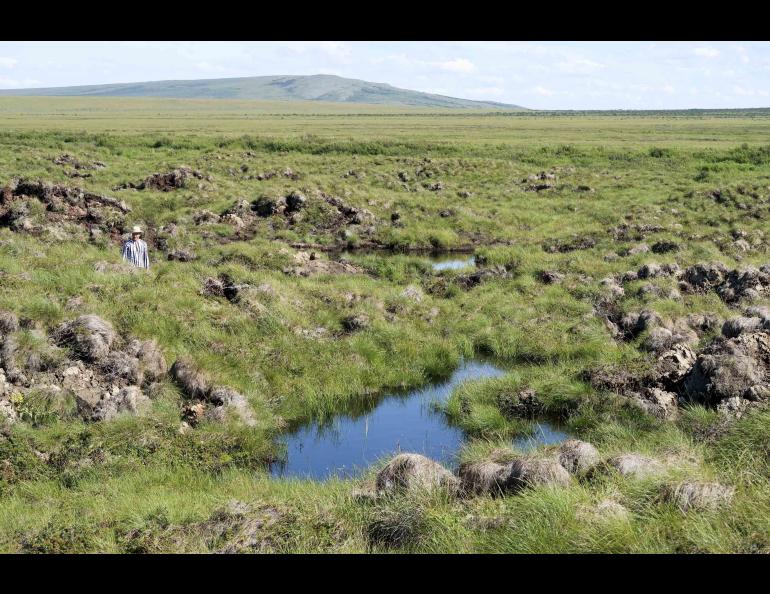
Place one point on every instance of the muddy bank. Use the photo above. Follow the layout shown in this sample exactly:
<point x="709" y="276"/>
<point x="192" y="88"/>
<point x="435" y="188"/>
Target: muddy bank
<point x="59" y="211"/>
<point x="687" y="363"/>
<point x="376" y="247"/>
<point x="382" y="248"/>
<point x="165" y="182"/>
<point x="84" y="368"/>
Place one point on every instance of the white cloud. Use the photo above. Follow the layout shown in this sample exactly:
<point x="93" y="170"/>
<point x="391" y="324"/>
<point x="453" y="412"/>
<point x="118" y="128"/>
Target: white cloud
<point x="15" y="84"/>
<point x="706" y="52"/>
<point x="457" y="65"/>
<point x="578" y="66"/>
<point x="742" y="54"/>
<point x="746" y="92"/>
<point x="208" y="67"/>
<point x="294" y="47"/>
<point x="8" y="62"/>
<point x="400" y="59"/>
<point x="335" y="49"/>
<point x="668" y="89"/>
<point x="486" y="92"/>
<point x="538" y="90"/>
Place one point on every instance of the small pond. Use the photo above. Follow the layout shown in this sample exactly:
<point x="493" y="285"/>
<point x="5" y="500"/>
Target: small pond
<point x="439" y="260"/>
<point x="451" y="262"/>
<point x="406" y="422"/>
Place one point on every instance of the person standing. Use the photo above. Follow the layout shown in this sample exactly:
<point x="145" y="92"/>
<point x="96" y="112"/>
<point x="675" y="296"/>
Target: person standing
<point x="135" y="249"/>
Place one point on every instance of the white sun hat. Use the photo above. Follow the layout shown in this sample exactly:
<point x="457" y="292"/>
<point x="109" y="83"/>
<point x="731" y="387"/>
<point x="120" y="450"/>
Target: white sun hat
<point x="136" y="229"/>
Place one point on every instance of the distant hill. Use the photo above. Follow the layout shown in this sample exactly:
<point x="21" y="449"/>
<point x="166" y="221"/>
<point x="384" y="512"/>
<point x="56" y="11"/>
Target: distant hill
<point x="319" y="87"/>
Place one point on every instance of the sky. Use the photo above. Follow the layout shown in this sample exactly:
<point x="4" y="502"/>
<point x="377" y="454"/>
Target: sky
<point x="534" y="74"/>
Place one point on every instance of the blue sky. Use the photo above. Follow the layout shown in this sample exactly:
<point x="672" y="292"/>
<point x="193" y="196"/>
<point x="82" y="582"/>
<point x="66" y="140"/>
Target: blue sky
<point x="539" y="75"/>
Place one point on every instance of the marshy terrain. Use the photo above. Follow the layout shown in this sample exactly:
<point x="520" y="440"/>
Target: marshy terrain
<point x="369" y="329"/>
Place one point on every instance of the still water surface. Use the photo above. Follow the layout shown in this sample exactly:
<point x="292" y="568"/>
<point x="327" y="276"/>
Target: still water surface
<point x="350" y="442"/>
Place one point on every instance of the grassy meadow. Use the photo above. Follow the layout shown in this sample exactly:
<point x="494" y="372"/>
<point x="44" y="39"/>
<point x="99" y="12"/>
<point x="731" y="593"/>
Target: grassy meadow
<point x="138" y="484"/>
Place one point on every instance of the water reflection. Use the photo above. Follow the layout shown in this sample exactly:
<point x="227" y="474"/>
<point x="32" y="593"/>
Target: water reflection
<point x="347" y="443"/>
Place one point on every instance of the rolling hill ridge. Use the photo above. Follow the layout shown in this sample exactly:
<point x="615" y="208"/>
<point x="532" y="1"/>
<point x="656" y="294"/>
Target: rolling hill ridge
<point x="320" y="87"/>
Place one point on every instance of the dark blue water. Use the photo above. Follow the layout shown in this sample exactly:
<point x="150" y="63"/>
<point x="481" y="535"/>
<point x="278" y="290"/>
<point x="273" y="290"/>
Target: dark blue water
<point x="409" y="422"/>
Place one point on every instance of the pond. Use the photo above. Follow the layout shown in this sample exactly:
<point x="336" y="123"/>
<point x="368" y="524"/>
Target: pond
<point x="451" y="262"/>
<point x="406" y="422"/>
<point x="438" y="260"/>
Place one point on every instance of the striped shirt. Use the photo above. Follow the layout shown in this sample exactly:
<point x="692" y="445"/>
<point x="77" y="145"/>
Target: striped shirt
<point x="135" y="251"/>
